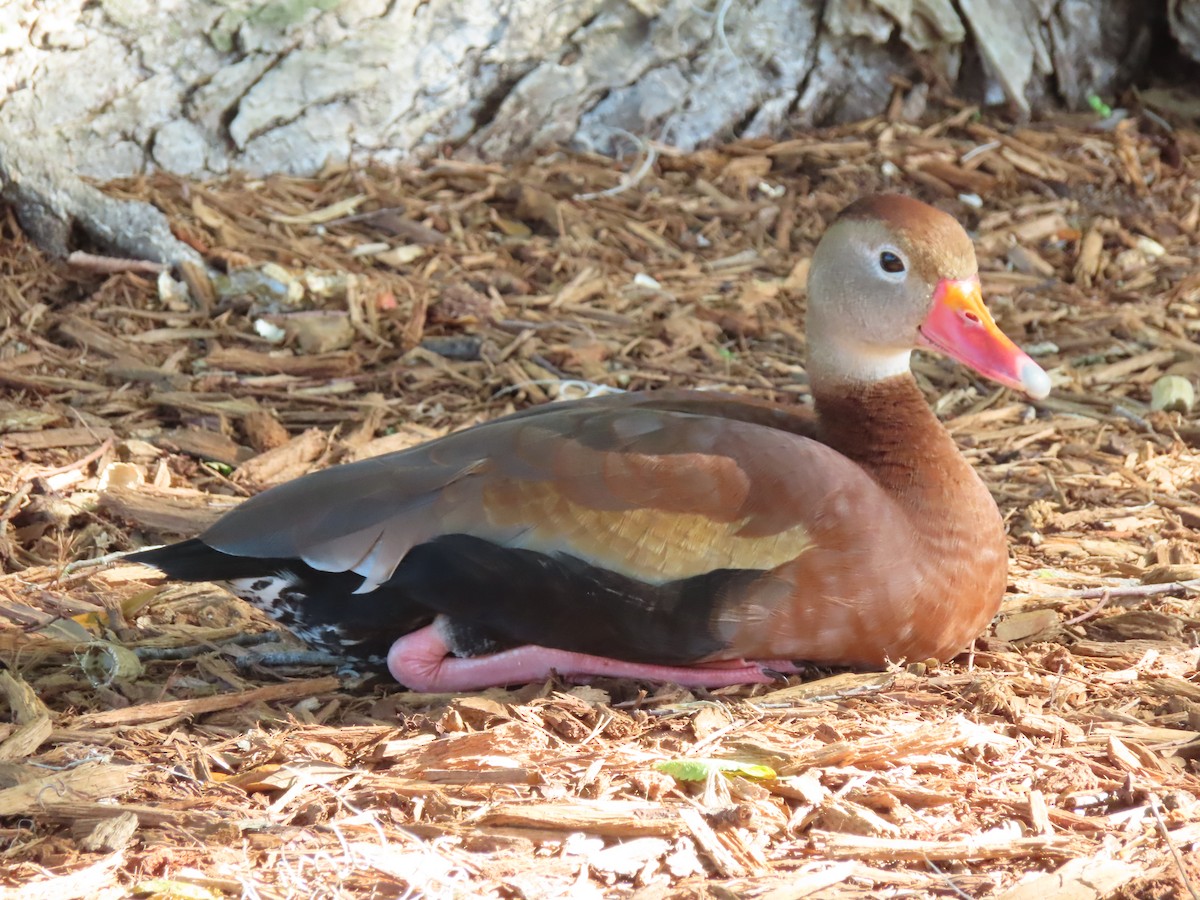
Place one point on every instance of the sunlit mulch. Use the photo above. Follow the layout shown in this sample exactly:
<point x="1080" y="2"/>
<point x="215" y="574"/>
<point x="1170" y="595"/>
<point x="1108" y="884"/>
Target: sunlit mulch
<point x="146" y="747"/>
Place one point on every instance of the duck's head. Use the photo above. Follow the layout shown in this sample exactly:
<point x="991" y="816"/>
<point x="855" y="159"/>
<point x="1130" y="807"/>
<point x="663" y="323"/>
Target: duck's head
<point x="893" y="274"/>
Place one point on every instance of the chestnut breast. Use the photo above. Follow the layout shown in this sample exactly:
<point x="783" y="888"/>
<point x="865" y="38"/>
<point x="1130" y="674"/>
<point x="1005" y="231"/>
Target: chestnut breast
<point x="908" y="562"/>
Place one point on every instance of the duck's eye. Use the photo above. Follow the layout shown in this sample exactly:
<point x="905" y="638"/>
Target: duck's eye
<point x="890" y="262"/>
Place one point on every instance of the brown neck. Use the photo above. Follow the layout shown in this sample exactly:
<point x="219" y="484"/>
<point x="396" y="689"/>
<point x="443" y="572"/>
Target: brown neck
<point x="959" y="552"/>
<point x="888" y="428"/>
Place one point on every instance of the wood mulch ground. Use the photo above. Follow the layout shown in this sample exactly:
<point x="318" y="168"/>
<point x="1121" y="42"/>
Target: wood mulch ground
<point x="148" y="746"/>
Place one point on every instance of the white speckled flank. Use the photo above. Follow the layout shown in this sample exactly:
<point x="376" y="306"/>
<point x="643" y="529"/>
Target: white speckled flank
<point x="281" y="597"/>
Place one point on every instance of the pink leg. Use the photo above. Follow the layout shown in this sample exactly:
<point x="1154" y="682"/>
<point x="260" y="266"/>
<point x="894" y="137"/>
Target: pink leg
<point x="421" y="662"/>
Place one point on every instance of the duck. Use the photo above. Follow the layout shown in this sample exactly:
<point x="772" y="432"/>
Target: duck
<point x="691" y="537"/>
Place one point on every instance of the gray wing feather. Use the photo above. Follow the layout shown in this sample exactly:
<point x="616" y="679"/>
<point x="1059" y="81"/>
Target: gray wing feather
<point x="365" y="516"/>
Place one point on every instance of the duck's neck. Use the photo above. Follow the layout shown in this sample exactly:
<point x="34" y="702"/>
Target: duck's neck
<point x="887" y="427"/>
<point x="954" y="537"/>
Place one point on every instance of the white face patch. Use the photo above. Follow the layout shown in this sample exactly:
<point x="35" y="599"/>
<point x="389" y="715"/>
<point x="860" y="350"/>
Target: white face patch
<point x="861" y="363"/>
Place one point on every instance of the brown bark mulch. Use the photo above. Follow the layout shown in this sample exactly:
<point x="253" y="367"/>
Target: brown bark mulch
<point x="147" y="746"/>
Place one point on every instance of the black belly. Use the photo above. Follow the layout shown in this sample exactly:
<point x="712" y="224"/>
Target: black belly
<point x="492" y="597"/>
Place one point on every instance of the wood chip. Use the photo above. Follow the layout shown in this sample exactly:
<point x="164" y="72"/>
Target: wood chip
<point x="58" y="437"/>
<point x="203" y="445"/>
<point x="338" y="364"/>
<point x="197" y="706"/>
<point x="165" y="512"/>
<point x="850" y="846"/>
<point x="283" y="463"/>
<point x="109" y="834"/>
<point x="1087" y="878"/>
<point x="615" y="818"/>
<point x="86" y="782"/>
<point x="89" y="881"/>
<point x="726" y="864"/>
<point x="264" y="431"/>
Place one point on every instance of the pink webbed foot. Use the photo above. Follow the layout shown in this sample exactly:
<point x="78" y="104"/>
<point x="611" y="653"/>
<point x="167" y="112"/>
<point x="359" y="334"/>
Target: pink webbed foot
<point x="421" y="661"/>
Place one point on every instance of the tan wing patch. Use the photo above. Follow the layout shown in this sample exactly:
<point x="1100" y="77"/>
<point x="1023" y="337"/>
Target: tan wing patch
<point x="648" y="544"/>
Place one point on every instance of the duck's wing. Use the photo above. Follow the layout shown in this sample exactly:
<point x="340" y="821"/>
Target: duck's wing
<point x="652" y="493"/>
<point x="623" y="529"/>
<point x="792" y="418"/>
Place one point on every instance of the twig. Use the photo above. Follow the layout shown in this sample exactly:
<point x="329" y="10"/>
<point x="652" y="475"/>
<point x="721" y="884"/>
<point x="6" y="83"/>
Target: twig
<point x="242" y="640"/>
<point x="1132" y="417"/>
<point x="290" y="658"/>
<point x="359" y="317"/>
<point x="1157" y="120"/>
<point x="948" y="880"/>
<point x="1094" y="611"/>
<point x="722" y="12"/>
<point x="14" y="502"/>
<point x="717" y="735"/>
<point x="1162" y="827"/>
<point x="172" y="709"/>
<point x="634" y="178"/>
<point x="114" y="265"/>
<point x="979" y="151"/>
<point x="79" y="564"/>
<point x="1128" y="591"/>
<point x="71" y="466"/>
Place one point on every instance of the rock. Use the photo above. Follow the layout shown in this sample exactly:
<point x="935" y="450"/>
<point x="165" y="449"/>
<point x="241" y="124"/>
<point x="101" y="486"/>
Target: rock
<point x="201" y="88"/>
<point x="1183" y="16"/>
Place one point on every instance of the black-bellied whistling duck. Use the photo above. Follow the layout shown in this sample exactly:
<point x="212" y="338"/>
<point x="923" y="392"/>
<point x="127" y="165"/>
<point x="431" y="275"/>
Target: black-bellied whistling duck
<point x="672" y="536"/>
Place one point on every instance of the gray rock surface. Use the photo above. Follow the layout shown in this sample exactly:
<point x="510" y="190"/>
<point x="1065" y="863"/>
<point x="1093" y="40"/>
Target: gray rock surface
<point x="1184" y="19"/>
<point x="116" y="87"/>
<point x="54" y="205"/>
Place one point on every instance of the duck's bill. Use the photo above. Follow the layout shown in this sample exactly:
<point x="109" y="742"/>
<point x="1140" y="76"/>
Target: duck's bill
<point x="960" y="326"/>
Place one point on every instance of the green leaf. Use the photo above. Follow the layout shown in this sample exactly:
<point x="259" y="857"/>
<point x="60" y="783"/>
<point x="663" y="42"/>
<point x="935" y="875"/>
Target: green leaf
<point x="700" y="769"/>
<point x="1099" y="107"/>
